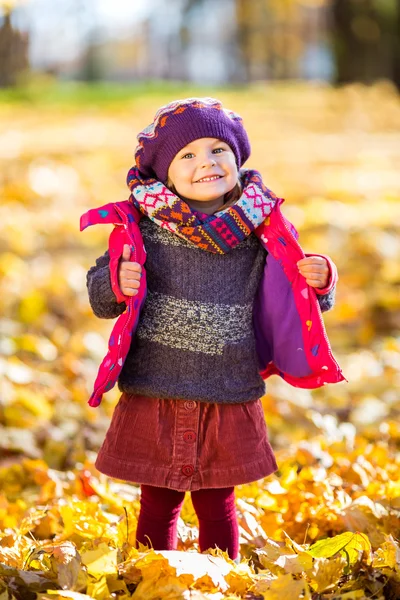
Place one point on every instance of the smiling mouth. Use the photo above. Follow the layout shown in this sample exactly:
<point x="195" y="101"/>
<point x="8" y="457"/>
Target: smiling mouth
<point x="207" y="179"/>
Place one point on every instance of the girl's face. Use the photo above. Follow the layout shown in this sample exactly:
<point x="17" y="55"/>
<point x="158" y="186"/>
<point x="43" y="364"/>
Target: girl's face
<point x="204" y="170"/>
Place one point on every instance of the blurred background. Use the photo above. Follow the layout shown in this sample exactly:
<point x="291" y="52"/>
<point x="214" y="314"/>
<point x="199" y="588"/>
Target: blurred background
<point x="205" y="41"/>
<point x="316" y="82"/>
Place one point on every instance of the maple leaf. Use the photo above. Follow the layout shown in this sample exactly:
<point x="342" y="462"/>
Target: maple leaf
<point x="326" y="573"/>
<point x="350" y="545"/>
<point x="388" y="555"/>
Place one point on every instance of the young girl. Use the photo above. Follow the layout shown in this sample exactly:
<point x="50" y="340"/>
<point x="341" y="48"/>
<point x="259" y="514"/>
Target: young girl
<point x="214" y="295"/>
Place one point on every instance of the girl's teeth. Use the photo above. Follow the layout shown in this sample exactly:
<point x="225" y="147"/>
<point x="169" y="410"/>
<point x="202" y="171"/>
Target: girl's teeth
<point x="209" y="178"/>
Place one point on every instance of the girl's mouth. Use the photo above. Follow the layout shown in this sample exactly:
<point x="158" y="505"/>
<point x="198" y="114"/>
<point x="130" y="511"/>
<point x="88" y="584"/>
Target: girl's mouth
<point x="207" y="179"/>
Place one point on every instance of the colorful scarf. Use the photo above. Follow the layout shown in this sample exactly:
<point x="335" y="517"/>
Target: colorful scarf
<point x="218" y="233"/>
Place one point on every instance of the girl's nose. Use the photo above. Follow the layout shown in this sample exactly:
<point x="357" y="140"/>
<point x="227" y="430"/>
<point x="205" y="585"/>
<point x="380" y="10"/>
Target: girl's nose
<point x="209" y="161"/>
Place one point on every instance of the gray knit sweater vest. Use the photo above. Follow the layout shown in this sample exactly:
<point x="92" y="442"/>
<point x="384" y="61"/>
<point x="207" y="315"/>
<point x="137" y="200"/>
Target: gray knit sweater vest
<point x="195" y="337"/>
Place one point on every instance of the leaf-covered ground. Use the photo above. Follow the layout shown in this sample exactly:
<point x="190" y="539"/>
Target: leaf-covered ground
<point x="327" y="524"/>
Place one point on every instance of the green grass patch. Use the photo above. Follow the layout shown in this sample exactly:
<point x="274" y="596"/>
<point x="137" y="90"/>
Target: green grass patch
<point x="42" y="90"/>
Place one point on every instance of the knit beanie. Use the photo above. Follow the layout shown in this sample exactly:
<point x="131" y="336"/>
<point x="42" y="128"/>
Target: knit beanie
<point x="180" y="122"/>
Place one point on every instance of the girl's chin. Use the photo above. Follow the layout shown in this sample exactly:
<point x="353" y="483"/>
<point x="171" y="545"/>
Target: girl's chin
<point x="208" y="198"/>
<point x="209" y="194"/>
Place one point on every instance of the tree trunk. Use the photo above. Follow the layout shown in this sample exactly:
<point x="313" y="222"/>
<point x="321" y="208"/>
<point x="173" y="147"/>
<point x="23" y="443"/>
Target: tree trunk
<point x="396" y="46"/>
<point x="13" y="53"/>
<point x="365" y="40"/>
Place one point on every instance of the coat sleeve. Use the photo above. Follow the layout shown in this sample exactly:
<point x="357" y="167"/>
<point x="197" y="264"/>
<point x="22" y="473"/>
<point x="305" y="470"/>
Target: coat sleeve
<point x="101" y="296"/>
<point x="327" y="301"/>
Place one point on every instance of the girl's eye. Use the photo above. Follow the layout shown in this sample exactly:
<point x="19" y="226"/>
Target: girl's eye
<point x="188" y="155"/>
<point x="218" y="150"/>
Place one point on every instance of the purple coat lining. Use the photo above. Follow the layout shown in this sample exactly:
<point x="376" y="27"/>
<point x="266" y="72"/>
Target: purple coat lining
<point x="277" y="323"/>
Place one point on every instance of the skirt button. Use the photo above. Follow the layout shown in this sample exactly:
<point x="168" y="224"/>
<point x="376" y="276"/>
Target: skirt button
<point x="188" y="470"/>
<point x="189" y="404"/>
<point x="189" y="436"/>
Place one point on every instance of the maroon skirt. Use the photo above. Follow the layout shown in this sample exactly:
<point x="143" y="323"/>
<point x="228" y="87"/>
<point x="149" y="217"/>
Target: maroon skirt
<point x="186" y="445"/>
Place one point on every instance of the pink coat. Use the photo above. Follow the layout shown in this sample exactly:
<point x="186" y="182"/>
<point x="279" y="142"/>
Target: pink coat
<point x="290" y="335"/>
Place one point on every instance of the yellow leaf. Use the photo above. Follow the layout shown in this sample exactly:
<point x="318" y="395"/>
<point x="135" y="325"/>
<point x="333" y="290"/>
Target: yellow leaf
<point x="326" y="572"/>
<point x="240" y="578"/>
<point x="69" y="594"/>
<point x="286" y="588"/>
<point x="32" y="306"/>
<point x="271" y="523"/>
<point x="296" y="563"/>
<point x="353" y="595"/>
<point x="159" y="579"/>
<point x="84" y="519"/>
<point x="126" y="530"/>
<point x="199" y="565"/>
<point x="388" y="555"/>
<point x="102" y="561"/>
<point x="35" y="402"/>
<point x="98" y="589"/>
<point x="365" y="515"/>
<point x="276" y="555"/>
<point x="167" y="574"/>
<point x="117" y="586"/>
<point x="348" y="543"/>
<point x="268" y="501"/>
<point x="4" y="595"/>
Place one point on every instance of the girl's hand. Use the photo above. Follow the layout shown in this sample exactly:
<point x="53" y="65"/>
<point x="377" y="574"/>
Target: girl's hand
<point x="315" y="270"/>
<point x="129" y="273"/>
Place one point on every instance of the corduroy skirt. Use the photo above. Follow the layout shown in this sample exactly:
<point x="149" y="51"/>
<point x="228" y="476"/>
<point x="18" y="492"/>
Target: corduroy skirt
<point x="186" y="445"/>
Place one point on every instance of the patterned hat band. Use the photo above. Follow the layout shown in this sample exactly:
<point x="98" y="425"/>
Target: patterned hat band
<point x="181" y="122"/>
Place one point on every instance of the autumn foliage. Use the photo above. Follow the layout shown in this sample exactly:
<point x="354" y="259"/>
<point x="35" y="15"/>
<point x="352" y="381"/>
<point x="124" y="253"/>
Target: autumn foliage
<point x="327" y="524"/>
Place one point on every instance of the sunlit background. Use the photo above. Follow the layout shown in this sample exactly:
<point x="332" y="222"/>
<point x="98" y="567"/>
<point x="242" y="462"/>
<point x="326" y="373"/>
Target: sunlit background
<point x="316" y="82"/>
<point x="206" y="41"/>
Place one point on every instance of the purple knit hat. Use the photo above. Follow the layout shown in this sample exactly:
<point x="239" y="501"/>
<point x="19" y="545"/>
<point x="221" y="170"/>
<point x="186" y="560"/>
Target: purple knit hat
<point x="180" y="122"/>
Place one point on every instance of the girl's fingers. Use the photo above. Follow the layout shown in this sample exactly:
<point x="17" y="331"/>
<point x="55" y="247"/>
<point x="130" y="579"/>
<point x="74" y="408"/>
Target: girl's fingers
<point x="130" y="283"/>
<point x="311" y="260"/>
<point x="126" y="253"/>
<point x="131" y="266"/>
<point x="129" y="286"/>
<point x="316" y="283"/>
<point x="309" y="269"/>
<point x="130" y="276"/>
<point x="315" y="271"/>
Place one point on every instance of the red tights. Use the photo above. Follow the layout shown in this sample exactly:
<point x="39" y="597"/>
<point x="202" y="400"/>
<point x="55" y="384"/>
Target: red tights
<point x="215" y="509"/>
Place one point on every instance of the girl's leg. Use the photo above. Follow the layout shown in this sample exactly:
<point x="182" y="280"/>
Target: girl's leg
<point x="218" y="526"/>
<point x="159" y="512"/>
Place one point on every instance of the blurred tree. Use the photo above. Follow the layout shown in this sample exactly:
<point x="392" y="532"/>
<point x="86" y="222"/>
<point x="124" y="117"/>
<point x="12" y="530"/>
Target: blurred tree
<point x="13" y="48"/>
<point x="276" y="38"/>
<point x="93" y="63"/>
<point x="273" y="36"/>
<point x="270" y="36"/>
<point x="396" y="54"/>
<point x="366" y="40"/>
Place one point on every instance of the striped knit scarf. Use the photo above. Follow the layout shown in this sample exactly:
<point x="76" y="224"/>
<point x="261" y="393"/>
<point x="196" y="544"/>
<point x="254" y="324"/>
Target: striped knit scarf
<point x="220" y="232"/>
